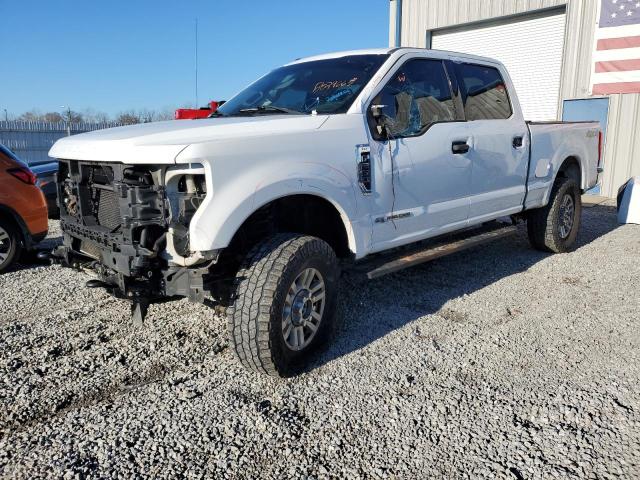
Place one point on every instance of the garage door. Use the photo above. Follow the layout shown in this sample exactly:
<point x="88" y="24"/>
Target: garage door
<point x="531" y="49"/>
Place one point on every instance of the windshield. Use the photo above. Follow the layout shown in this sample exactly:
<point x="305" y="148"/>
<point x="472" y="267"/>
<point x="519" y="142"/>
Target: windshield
<point x="321" y="86"/>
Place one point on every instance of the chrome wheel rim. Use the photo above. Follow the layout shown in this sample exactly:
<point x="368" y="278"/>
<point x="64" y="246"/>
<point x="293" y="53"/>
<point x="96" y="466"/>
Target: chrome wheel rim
<point x="303" y="309"/>
<point x="567" y="214"/>
<point x="5" y="245"/>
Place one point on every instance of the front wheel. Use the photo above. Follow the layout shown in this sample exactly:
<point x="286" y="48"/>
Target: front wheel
<point x="284" y="302"/>
<point x="554" y="228"/>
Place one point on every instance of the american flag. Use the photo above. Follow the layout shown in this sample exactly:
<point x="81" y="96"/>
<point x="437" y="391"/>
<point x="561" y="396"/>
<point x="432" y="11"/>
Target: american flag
<point x="617" y="50"/>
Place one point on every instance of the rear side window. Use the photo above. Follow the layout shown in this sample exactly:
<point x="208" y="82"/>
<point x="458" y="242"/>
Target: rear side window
<point x="417" y="96"/>
<point x="484" y="93"/>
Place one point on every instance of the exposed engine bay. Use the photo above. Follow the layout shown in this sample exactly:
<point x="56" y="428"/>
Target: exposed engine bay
<point x="130" y="224"/>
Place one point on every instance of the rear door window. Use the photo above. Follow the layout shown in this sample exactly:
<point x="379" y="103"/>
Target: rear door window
<point x="484" y="92"/>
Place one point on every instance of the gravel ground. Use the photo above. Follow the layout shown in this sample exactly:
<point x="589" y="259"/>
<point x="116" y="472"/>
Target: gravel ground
<point x="497" y="362"/>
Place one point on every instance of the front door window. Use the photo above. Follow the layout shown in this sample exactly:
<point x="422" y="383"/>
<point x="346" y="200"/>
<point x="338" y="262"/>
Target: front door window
<point x="417" y="97"/>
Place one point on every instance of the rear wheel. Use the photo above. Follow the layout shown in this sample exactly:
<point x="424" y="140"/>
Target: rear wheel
<point x="284" y="303"/>
<point x="554" y="228"/>
<point x="9" y="244"/>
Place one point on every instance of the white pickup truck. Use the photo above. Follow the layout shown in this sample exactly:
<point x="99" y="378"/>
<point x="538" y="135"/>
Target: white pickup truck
<point x="315" y="166"/>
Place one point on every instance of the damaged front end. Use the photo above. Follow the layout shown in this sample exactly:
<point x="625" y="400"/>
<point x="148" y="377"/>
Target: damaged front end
<point x="130" y="225"/>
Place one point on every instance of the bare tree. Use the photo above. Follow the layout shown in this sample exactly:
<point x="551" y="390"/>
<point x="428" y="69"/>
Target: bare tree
<point x="101" y="117"/>
<point x="73" y="117"/>
<point x="31" y="116"/>
<point x="147" y="116"/>
<point x="95" y="116"/>
<point x="166" y="113"/>
<point x="128" y="118"/>
<point x="53" y="117"/>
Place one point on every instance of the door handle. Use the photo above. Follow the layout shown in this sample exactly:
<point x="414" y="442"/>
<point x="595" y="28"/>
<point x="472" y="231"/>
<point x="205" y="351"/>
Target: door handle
<point x="458" y="148"/>
<point x="517" y="142"/>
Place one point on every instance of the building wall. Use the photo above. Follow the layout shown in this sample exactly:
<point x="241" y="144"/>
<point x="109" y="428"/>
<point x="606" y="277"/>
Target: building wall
<point x="622" y="153"/>
<point x="418" y="16"/>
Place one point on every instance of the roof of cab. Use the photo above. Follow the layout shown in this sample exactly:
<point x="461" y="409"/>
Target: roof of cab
<point x="388" y="51"/>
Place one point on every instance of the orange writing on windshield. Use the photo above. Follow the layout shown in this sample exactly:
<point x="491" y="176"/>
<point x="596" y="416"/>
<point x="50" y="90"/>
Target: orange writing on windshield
<point x="331" y="85"/>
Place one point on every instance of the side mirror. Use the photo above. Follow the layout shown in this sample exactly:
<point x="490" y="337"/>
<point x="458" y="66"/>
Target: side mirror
<point x="378" y="117"/>
<point x="376" y="111"/>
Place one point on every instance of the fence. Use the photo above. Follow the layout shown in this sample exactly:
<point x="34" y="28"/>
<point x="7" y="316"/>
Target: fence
<point x="31" y="141"/>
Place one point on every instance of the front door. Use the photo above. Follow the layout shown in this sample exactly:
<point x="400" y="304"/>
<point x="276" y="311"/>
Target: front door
<point x="421" y="167"/>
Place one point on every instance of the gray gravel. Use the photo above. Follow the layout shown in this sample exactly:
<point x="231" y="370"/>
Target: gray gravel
<point x="497" y="362"/>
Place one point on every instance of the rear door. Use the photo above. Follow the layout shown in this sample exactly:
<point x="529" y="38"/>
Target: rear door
<point x="499" y="141"/>
<point x="420" y="185"/>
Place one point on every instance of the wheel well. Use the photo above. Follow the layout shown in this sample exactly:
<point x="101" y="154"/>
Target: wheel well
<point x="307" y="214"/>
<point x="8" y="215"/>
<point x="570" y="168"/>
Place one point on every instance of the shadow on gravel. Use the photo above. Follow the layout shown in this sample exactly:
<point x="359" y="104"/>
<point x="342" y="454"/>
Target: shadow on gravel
<point x="369" y="310"/>
<point x="29" y="258"/>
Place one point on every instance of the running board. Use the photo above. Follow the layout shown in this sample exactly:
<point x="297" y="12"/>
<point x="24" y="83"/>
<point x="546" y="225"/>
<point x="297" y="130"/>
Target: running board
<point x="442" y="249"/>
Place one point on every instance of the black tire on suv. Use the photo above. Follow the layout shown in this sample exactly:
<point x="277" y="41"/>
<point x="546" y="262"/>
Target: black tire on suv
<point x="10" y="244"/>
<point x="284" y="303"/>
<point x="554" y="228"/>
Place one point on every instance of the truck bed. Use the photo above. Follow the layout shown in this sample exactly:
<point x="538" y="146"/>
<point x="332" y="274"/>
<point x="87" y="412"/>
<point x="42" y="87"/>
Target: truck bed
<point x="551" y="143"/>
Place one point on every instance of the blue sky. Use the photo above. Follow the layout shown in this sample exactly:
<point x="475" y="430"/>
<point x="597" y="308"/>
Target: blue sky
<point x="117" y="55"/>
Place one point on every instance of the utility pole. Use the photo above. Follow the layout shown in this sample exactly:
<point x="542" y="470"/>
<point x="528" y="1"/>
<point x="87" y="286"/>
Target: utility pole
<point x="68" y="119"/>
<point x="196" y="105"/>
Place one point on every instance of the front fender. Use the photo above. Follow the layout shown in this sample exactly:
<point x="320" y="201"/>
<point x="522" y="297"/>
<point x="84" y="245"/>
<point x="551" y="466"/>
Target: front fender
<point x="235" y="198"/>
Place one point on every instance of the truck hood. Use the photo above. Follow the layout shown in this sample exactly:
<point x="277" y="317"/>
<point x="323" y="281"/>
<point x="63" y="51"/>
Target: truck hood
<point x="161" y="142"/>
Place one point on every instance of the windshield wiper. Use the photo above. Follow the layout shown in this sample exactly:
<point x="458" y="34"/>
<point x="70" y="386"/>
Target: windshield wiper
<point x="270" y="109"/>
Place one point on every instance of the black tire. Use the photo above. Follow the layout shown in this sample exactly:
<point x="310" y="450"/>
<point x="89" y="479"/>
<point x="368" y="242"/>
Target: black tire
<point x="256" y="316"/>
<point x="10" y="244"/>
<point x="545" y="225"/>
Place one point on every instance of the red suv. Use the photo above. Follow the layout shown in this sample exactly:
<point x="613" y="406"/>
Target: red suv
<point x="23" y="209"/>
